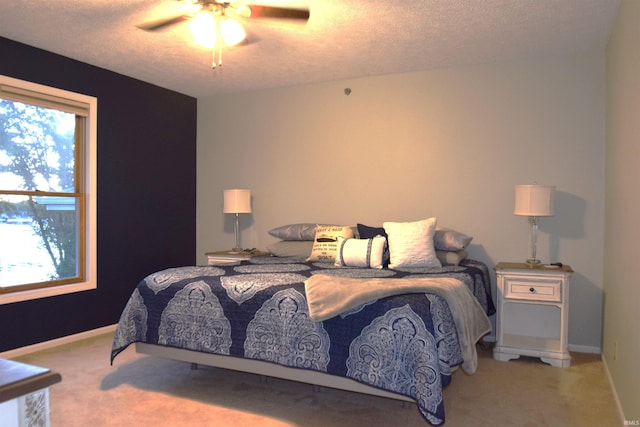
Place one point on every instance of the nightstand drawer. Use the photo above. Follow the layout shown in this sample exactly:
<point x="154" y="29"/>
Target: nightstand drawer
<point x="540" y="289"/>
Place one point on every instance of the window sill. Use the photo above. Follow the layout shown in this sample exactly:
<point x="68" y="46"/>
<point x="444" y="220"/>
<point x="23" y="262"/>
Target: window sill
<point x="46" y="292"/>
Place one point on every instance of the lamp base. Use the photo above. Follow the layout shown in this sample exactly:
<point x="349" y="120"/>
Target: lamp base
<point x="533" y="261"/>
<point x="236" y="250"/>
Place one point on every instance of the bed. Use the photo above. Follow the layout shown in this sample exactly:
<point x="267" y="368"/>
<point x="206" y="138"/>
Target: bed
<point x="392" y="332"/>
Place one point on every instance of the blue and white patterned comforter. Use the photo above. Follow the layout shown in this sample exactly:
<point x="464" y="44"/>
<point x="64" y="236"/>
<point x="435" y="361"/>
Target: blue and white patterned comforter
<point x="406" y="344"/>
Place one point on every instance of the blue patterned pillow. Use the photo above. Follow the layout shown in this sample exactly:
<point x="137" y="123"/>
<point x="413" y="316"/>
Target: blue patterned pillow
<point x="367" y="232"/>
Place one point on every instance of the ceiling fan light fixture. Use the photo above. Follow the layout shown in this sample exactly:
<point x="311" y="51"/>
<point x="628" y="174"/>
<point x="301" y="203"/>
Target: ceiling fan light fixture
<point x="232" y="32"/>
<point x="243" y="11"/>
<point x="203" y="29"/>
<point x="212" y="28"/>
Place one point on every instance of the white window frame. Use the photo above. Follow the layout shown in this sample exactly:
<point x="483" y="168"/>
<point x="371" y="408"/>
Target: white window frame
<point x="59" y="96"/>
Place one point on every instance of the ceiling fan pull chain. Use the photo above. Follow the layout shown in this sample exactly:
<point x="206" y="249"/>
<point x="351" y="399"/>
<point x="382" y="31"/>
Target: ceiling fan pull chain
<point x="220" y="50"/>
<point x="219" y="62"/>
<point x="213" y="58"/>
<point x="218" y="44"/>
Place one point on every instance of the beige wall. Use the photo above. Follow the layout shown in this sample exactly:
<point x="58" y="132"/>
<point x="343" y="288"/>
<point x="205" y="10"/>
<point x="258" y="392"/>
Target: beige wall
<point x="621" y="343"/>
<point x="450" y="143"/>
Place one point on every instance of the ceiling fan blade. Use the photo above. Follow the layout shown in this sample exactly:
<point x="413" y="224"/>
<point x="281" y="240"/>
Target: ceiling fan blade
<point x="162" y="22"/>
<point x="259" y="11"/>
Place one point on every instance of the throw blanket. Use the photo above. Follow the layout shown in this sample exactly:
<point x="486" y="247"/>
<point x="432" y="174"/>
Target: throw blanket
<point x="328" y="296"/>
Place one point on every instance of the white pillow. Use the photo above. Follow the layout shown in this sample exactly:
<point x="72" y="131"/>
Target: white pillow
<point x="411" y="243"/>
<point x="325" y="244"/>
<point x="360" y="252"/>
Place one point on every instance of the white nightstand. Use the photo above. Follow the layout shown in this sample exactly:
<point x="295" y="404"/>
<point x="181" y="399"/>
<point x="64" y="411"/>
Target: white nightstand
<point x="533" y="312"/>
<point x="229" y="257"/>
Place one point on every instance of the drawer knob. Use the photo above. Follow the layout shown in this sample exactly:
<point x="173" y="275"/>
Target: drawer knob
<point x="532" y="290"/>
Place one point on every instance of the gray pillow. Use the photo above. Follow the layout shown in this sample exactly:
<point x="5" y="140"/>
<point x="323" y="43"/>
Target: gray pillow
<point x="302" y="231"/>
<point x="446" y="239"/>
<point x="451" y="257"/>
<point x="291" y="248"/>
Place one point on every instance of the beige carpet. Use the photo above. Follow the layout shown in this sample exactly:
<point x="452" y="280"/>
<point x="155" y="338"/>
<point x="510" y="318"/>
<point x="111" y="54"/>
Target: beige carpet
<point x="144" y="391"/>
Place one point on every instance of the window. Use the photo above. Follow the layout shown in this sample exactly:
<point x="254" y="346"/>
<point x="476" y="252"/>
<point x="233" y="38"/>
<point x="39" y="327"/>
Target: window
<point x="47" y="191"/>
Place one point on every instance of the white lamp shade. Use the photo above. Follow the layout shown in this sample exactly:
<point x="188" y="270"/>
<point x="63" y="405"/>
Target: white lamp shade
<point x="203" y="28"/>
<point x="534" y="200"/>
<point x="237" y="201"/>
<point x="232" y="32"/>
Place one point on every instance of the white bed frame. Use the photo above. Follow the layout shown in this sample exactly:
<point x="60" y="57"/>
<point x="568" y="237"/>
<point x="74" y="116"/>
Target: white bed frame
<point x="268" y="369"/>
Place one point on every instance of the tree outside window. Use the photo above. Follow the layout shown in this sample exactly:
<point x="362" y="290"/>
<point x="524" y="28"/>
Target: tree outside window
<point x="38" y="195"/>
<point x="47" y="191"/>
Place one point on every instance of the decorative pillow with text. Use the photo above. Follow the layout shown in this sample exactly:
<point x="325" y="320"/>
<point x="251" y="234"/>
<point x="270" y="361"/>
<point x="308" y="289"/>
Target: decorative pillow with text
<point x="325" y="243"/>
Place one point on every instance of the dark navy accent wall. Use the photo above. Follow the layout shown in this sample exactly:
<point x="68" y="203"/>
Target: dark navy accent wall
<point x="146" y="192"/>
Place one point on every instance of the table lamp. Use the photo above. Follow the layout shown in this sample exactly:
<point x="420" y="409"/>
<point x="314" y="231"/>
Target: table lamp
<point x="237" y="201"/>
<point x="534" y="201"/>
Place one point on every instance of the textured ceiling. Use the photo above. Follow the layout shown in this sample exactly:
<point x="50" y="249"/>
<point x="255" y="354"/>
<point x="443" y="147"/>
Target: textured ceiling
<point x="342" y="39"/>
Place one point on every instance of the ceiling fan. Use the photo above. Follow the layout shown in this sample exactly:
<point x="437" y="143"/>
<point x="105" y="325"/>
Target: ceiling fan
<point x="213" y="22"/>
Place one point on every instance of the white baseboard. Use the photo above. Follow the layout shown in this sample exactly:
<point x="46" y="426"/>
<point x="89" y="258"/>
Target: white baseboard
<point x="572" y="347"/>
<point x="57" y="342"/>
<point x="613" y="388"/>
<point x="585" y="349"/>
